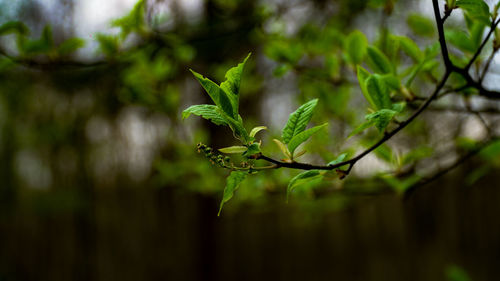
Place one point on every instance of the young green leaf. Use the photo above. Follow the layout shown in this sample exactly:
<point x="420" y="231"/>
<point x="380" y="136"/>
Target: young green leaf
<point x="283" y="148"/>
<point x="300" y="179"/>
<point x="410" y="48"/>
<point x="233" y="149"/>
<point x="381" y="118"/>
<point x="232" y="84"/>
<point x="460" y="40"/>
<point x="365" y="125"/>
<point x="398" y="107"/>
<point x="233" y="78"/>
<point x="401" y="185"/>
<point x="133" y="21"/>
<point x="363" y="74"/>
<point x="302" y="137"/>
<point x="218" y="96"/>
<point x="207" y="111"/>
<point x="450" y="4"/>
<point x="476" y="9"/>
<point x="252" y="150"/>
<point x="232" y="183"/>
<point x="42" y="45"/>
<point x="378" y="91"/>
<point x="356" y="45"/>
<point x="421" y="25"/>
<point x="255" y="130"/>
<point x="69" y="46"/>
<point x="239" y="131"/>
<point x="392" y="82"/>
<point x="297" y="122"/>
<point x="378" y="61"/>
<point x="476" y="31"/>
<point x="108" y="44"/>
<point x="339" y="159"/>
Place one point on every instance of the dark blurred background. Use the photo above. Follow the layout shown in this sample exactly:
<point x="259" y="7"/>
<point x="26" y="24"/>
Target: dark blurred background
<point x="100" y="179"/>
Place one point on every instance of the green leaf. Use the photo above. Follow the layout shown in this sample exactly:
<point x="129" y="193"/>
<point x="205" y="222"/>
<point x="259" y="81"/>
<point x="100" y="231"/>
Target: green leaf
<point x="283" y="148"/>
<point x="339" y="159"/>
<point x="378" y="91"/>
<point x="300" y="179"/>
<point x="421" y="25"/>
<point x="451" y="4"/>
<point x="401" y="185"/>
<point x="378" y="61"/>
<point x="232" y="84"/>
<point x="47" y="36"/>
<point x="365" y="125"/>
<point x="108" y="44"/>
<point x="239" y="131"/>
<point x="363" y="74"/>
<point x="416" y="154"/>
<point x="460" y="40"/>
<point x="476" y="31"/>
<point x="476" y="9"/>
<point x="133" y="21"/>
<point x="302" y="137"/>
<point x="233" y="149"/>
<point x="255" y="130"/>
<point x="232" y="183"/>
<point x="392" y="82"/>
<point x="252" y="149"/>
<point x="284" y="51"/>
<point x="410" y="48"/>
<point x="69" y="46"/>
<point x="14" y="27"/>
<point x="384" y="152"/>
<point x="356" y="45"/>
<point x="218" y="96"/>
<point x="381" y="118"/>
<point x="42" y="45"/>
<point x="281" y="69"/>
<point x="297" y="122"/>
<point x="398" y="107"/>
<point x="207" y="111"/>
<point x="233" y="78"/>
<point x="491" y="152"/>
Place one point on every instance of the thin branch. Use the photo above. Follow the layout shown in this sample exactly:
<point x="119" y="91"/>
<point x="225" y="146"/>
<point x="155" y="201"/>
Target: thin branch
<point x="449" y="168"/>
<point x="463" y="71"/>
<point x="488" y="63"/>
<point x="442" y="40"/>
<point x="453" y="90"/>
<point x="450" y="67"/>
<point x="351" y="162"/>
<point x="478" y="51"/>
<point x="457" y="109"/>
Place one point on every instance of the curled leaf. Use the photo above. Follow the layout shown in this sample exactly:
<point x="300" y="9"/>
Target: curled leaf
<point x="255" y="130"/>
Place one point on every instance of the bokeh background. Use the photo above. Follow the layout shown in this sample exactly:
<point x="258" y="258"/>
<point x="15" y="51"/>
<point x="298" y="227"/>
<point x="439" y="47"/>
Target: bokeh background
<point x="100" y="178"/>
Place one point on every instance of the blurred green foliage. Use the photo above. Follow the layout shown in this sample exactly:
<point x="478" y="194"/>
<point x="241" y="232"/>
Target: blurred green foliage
<point x="116" y="120"/>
